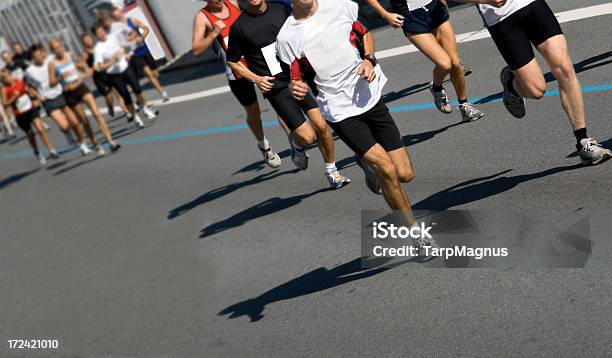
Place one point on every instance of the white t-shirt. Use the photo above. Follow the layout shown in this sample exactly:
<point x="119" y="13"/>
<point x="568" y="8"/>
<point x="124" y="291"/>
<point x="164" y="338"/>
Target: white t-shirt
<point x="122" y="31"/>
<point x="493" y="15"/>
<point x="38" y="77"/>
<point x="324" y="40"/>
<point x="106" y="51"/>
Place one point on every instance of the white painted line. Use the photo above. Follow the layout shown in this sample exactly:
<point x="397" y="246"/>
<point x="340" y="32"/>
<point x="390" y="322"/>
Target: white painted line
<point x="563" y="17"/>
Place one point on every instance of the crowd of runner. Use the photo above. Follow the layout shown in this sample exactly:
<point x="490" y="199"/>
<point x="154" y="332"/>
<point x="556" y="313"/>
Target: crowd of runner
<point x="316" y="65"/>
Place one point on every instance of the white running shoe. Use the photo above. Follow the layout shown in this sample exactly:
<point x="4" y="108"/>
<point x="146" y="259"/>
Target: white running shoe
<point x="139" y="123"/>
<point x="165" y="96"/>
<point x="85" y="149"/>
<point x="100" y="151"/>
<point x="336" y="180"/>
<point x="298" y="156"/>
<point x="272" y="159"/>
<point x="469" y="113"/>
<point x="148" y="112"/>
<point x="420" y="244"/>
<point x="41" y="159"/>
<point x="53" y="154"/>
<point x="592" y="153"/>
<point x="46" y="127"/>
<point x="441" y="100"/>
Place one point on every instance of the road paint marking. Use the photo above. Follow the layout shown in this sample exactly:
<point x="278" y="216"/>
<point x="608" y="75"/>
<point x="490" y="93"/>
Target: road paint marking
<point x="239" y="127"/>
<point x="563" y="17"/>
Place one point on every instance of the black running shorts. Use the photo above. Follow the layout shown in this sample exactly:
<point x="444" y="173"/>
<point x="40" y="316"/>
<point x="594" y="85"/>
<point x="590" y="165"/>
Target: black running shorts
<point x="362" y="132"/>
<point x="426" y="19"/>
<point x="244" y="91"/>
<point x="288" y="108"/>
<point x="52" y="105"/>
<point x="24" y="120"/>
<point x="139" y="63"/>
<point x="533" y="24"/>
<point x="102" y="83"/>
<point x="75" y="96"/>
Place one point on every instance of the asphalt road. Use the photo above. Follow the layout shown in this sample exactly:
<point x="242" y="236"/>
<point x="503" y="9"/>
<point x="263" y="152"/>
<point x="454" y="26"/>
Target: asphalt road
<point x="184" y="245"/>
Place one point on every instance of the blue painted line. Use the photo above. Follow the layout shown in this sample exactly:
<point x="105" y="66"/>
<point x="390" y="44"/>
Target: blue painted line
<point x="234" y="128"/>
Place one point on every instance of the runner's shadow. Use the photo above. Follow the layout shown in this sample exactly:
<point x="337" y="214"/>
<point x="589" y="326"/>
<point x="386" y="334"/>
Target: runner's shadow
<point x="480" y="188"/>
<point x="316" y="280"/>
<point x="78" y="165"/>
<point x="223" y="191"/>
<point x="16" y="177"/>
<point x="395" y="95"/>
<point x="605" y="144"/>
<point x="414" y="139"/>
<point x="266" y="207"/>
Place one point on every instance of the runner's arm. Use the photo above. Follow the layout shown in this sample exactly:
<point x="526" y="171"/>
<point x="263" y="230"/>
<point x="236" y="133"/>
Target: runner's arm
<point x="366" y="70"/>
<point x="204" y="34"/>
<point x="394" y="20"/>
<point x="53" y="80"/>
<point x="82" y="64"/>
<point x="145" y="29"/>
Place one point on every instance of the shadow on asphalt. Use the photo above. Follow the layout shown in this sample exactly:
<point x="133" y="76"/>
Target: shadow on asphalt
<point x="480" y="188"/>
<point x="314" y="281"/>
<point x="16" y="178"/>
<point x="267" y="207"/>
<point x="79" y="164"/>
<point x="413" y="139"/>
<point x="221" y="192"/>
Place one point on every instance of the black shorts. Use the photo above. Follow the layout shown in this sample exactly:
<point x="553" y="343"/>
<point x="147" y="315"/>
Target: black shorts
<point x="425" y="19"/>
<point x="121" y="81"/>
<point x="139" y="63"/>
<point x="24" y="120"/>
<point x="244" y="91"/>
<point x="51" y="105"/>
<point x="288" y="108"/>
<point x="362" y="132"/>
<point x="102" y="84"/>
<point x="75" y="96"/>
<point x="533" y="24"/>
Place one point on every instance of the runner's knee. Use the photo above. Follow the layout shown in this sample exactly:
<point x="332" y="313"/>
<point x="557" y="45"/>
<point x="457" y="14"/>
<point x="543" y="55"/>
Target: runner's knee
<point x="386" y="170"/>
<point x="444" y="64"/>
<point x="564" y="72"/>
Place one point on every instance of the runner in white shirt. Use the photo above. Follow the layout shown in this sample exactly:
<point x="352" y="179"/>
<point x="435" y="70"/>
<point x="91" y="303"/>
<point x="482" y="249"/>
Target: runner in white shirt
<point x="516" y="25"/>
<point x="37" y="76"/>
<point x="109" y="56"/>
<point x="317" y="37"/>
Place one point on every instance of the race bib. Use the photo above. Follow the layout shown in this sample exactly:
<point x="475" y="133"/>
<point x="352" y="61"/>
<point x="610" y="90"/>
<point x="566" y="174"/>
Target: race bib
<point x="269" y="54"/>
<point x="24" y="103"/>
<point x="331" y="54"/>
<point x="417" y="4"/>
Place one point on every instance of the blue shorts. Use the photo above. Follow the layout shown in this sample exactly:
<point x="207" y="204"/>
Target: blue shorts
<point x="425" y="19"/>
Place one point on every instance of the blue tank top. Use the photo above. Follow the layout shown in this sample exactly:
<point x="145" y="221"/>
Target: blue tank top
<point x="67" y="72"/>
<point x="142" y="49"/>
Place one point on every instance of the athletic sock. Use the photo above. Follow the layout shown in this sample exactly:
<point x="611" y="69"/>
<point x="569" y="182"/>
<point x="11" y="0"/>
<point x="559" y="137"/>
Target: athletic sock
<point x="330" y="167"/>
<point x="437" y="88"/>
<point x="463" y="101"/>
<point x="580" y="134"/>
<point x="264" y="144"/>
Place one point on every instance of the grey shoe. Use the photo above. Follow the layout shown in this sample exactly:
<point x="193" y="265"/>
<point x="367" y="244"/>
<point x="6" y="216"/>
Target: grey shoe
<point x="298" y="156"/>
<point x="420" y="245"/>
<point x="592" y="153"/>
<point x="336" y="180"/>
<point x="514" y="104"/>
<point x="272" y="159"/>
<point x="441" y="100"/>
<point x="370" y="176"/>
<point x="469" y="113"/>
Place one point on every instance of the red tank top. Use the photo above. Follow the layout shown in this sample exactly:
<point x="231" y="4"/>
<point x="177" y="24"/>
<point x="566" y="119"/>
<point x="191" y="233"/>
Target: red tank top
<point x="23" y="103"/>
<point x="223" y="38"/>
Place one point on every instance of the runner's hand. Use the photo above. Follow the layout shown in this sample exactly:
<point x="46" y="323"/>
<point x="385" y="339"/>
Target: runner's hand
<point x="299" y="89"/>
<point x="395" y="20"/>
<point x="264" y="83"/>
<point x="366" y="71"/>
<point x="219" y="26"/>
<point x="495" y="3"/>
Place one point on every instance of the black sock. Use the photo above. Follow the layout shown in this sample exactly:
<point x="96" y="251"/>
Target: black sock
<point x="580" y="134"/>
<point x="462" y="101"/>
<point x="436" y="88"/>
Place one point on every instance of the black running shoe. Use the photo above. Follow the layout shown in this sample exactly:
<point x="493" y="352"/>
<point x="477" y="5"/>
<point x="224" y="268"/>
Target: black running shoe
<point x="514" y="104"/>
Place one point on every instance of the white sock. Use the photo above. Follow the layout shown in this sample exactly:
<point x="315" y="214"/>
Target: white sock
<point x="330" y="167"/>
<point x="264" y="144"/>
